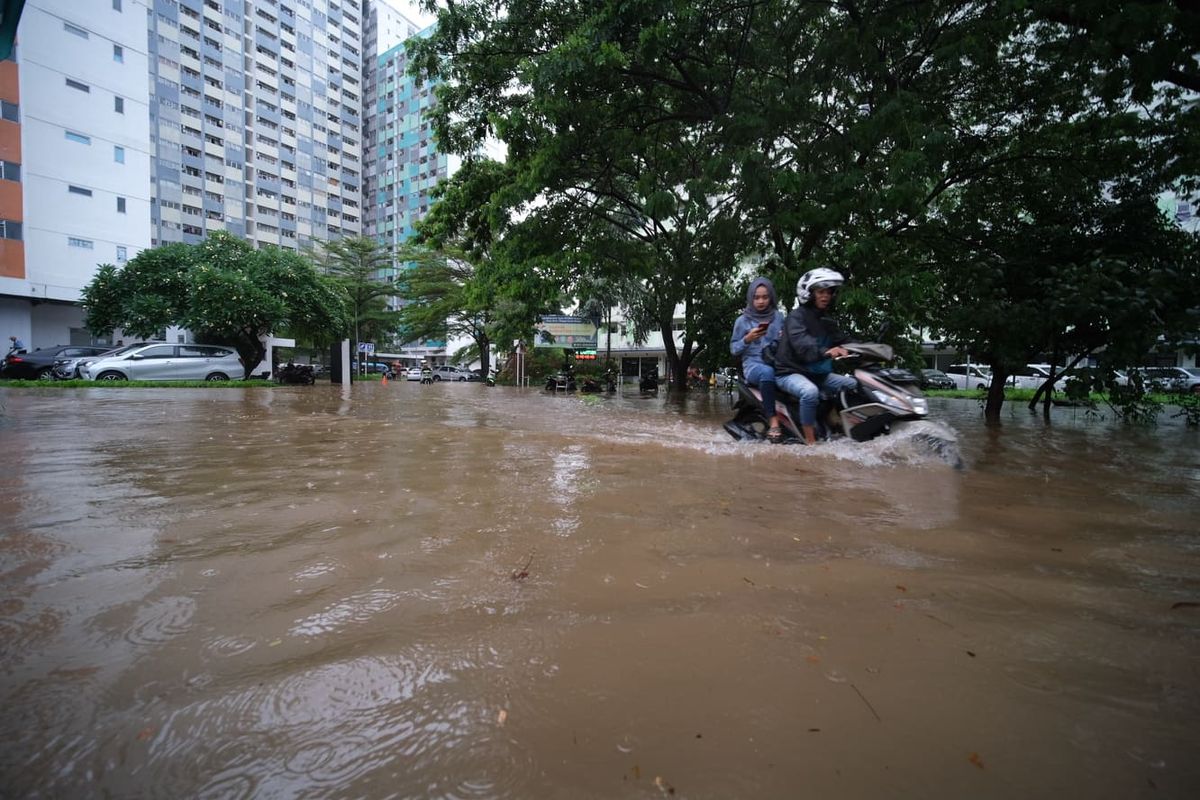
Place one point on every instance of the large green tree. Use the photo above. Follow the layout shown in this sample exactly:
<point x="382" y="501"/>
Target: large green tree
<point x="597" y="158"/>
<point x="222" y="289"/>
<point x="896" y="141"/>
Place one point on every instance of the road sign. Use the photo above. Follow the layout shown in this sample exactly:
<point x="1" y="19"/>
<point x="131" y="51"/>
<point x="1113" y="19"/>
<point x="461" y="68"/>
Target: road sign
<point x="366" y="347"/>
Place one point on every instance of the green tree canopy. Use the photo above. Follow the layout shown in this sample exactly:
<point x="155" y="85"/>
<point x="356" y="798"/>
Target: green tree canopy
<point x="222" y="289"/>
<point x="903" y="143"/>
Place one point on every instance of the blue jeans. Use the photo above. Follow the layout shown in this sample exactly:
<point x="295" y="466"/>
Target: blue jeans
<point x="808" y="389"/>
<point x="760" y="375"/>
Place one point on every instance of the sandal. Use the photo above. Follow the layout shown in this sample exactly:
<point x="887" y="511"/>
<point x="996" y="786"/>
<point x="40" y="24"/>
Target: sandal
<point x="775" y="434"/>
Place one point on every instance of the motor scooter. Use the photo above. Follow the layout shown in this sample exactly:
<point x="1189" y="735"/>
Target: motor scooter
<point x="296" y="374"/>
<point x="886" y="399"/>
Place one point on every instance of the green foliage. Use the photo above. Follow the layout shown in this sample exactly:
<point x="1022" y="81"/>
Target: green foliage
<point x="361" y="267"/>
<point x="221" y="289"/>
<point x="1189" y="409"/>
<point x="988" y="171"/>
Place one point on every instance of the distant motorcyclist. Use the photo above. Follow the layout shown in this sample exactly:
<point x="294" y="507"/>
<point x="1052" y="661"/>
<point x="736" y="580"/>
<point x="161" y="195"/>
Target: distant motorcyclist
<point x="811" y="340"/>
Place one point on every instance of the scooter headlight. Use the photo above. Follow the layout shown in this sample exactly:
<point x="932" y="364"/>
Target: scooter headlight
<point x="906" y="405"/>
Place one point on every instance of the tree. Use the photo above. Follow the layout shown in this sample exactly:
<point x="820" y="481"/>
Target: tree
<point x="896" y="141"/>
<point x="221" y="289"/>
<point x="596" y="152"/>
<point x="357" y="264"/>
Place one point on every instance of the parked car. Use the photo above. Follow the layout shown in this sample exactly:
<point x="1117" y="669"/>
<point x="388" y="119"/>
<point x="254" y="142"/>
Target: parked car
<point x="1096" y="380"/>
<point x="412" y="374"/>
<point x="71" y="368"/>
<point x="1171" y="379"/>
<point x="373" y="368"/>
<point x="969" y="376"/>
<point x="39" y="364"/>
<point x="1034" y="375"/>
<point x="168" y="362"/>
<point x="449" y="372"/>
<point x="935" y="379"/>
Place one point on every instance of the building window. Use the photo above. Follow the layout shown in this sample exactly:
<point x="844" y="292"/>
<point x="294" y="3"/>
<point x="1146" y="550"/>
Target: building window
<point x="119" y="105"/>
<point x="10" y="171"/>
<point x="120" y="205"/>
<point x="10" y="229"/>
<point x="86" y="244"/>
<point x="118" y="54"/>
<point x="9" y="111"/>
<point x="79" y="190"/>
<point x="78" y="137"/>
<point x="75" y="29"/>
<point x="122" y="254"/>
<point x="74" y="84"/>
<point x="118" y="154"/>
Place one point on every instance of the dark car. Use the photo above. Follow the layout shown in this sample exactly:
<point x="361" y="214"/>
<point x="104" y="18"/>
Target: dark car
<point x="935" y="379"/>
<point x="39" y="365"/>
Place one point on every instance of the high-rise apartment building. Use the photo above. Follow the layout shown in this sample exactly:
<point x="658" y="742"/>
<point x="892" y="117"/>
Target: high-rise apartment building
<point x="402" y="163"/>
<point x="257" y="119"/>
<point x="75" y="147"/>
<point x="135" y="123"/>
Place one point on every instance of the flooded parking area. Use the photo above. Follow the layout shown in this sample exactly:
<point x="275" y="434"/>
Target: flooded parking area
<point x="460" y="591"/>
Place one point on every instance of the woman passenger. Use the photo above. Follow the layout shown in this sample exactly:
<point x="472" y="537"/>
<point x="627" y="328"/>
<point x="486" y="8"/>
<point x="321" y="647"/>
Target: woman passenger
<point x="759" y="324"/>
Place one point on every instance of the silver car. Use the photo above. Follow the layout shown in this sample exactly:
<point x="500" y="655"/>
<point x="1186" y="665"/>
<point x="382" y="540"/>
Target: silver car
<point x="168" y="362"/>
<point x="449" y="372"/>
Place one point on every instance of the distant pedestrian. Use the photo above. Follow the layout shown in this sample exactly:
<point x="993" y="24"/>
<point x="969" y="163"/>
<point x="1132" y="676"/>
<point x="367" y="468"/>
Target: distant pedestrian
<point x="16" y="345"/>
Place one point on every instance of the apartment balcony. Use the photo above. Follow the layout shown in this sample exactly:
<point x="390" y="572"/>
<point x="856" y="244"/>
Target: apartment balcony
<point x="215" y="150"/>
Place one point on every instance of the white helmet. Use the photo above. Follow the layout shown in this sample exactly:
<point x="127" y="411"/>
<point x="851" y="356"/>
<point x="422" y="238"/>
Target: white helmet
<point x="819" y="278"/>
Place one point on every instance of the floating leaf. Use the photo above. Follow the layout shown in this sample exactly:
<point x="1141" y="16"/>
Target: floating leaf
<point x="976" y="760"/>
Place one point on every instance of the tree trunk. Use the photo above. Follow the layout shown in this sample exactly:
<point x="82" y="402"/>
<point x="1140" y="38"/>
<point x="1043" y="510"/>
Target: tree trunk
<point x="252" y="352"/>
<point x="485" y="355"/>
<point x="995" y="397"/>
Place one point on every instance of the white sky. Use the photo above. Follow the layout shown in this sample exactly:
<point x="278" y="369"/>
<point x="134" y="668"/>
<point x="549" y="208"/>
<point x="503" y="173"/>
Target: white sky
<point x="412" y="10"/>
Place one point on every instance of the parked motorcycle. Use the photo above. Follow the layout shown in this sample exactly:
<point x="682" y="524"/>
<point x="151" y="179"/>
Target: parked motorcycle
<point x="560" y="381"/>
<point x="648" y="383"/>
<point x="296" y="374"/>
<point x="887" y="399"/>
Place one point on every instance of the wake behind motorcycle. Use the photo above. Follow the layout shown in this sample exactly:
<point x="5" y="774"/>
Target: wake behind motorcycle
<point x="887" y="398"/>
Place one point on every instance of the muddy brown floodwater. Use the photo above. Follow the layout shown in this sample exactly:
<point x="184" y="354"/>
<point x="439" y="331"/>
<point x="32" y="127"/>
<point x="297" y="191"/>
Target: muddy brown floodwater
<point x="457" y="591"/>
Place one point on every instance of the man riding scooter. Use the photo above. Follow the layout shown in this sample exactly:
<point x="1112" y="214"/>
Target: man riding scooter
<point x="810" y="342"/>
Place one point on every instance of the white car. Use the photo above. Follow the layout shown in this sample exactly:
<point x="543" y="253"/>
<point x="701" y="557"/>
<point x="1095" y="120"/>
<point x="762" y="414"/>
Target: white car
<point x="1034" y="375"/>
<point x="412" y="374"/>
<point x="1171" y="379"/>
<point x="970" y="376"/>
<point x="168" y="362"/>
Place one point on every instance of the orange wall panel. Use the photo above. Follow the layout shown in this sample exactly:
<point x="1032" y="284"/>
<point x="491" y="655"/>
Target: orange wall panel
<point x="10" y="141"/>
<point x="10" y="201"/>
<point x="10" y="87"/>
<point x="12" y="258"/>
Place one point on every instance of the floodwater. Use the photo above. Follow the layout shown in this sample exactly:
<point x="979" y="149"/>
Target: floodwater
<point x="462" y="591"/>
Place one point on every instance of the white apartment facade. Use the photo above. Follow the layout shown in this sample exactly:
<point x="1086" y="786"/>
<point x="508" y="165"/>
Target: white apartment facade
<point x="84" y="160"/>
